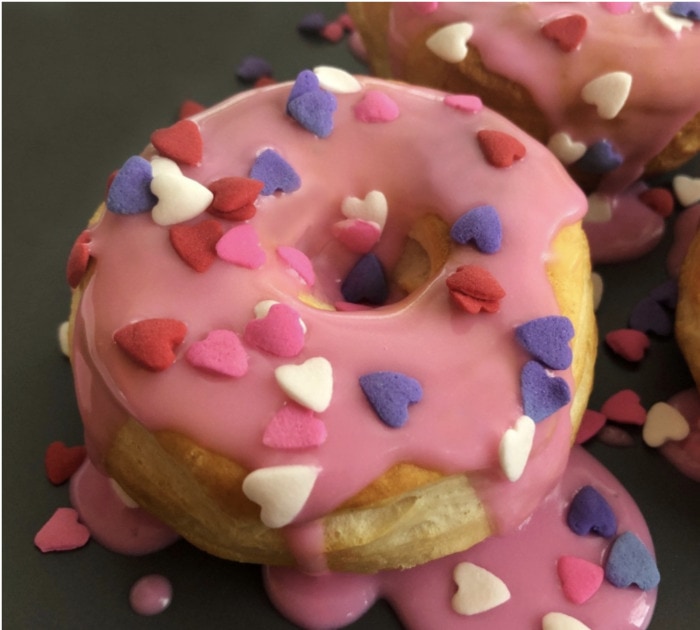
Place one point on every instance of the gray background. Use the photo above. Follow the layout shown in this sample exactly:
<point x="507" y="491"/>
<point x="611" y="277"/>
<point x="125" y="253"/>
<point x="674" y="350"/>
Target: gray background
<point x="83" y="88"/>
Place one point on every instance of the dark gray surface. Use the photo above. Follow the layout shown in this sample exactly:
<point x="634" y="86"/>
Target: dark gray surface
<point x="83" y="87"/>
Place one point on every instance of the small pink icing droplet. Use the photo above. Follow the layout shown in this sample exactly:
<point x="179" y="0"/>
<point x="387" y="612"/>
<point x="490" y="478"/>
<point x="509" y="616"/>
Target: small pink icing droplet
<point x="151" y="594"/>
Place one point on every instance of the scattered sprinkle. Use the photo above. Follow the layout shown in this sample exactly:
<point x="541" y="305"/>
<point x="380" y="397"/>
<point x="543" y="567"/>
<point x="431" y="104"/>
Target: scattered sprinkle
<point x="515" y="446"/>
<point x="567" y="32"/>
<point x="373" y="208"/>
<point x="253" y="68"/>
<point x="220" y="352"/>
<point x="600" y="158"/>
<point x="464" y="102"/>
<point x="542" y="394"/>
<point x="690" y="10"/>
<point x="390" y="394"/>
<point x="181" y="142"/>
<point x="597" y="282"/>
<point x="294" y="427"/>
<point x="130" y="192"/>
<point x="599" y="209"/>
<point x="336" y="80"/>
<point x="63" y="343"/>
<point x="152" y="342"/>
<point x="561" y="621"/>
<point x="659" y="200"/>
<point x="628" y="343"/>
<point x="474" y="289"/>
<point x="376" y="107"/>
<point x="687" y="189"/>
<point x="333" y="32"/>
<point x="547" y="340"/>
<point x="624" y="407"/>
<point x="312" y="24"/>
<point x="196" y="244"/>
<point x="366" y="282"/>
<point x="591" y="423"/>
<point x="580" y="579"/>
<point x="357" y="235"/>
<point x="241" y="246"/>
<point x="279" y="332"/>
<point x="151" y="595"/>
<point x="234" y="198"/>
<point x="61" y="461"/>
<point x="310" y="384"/>
<point x="481" y="225"/>
<point x="649" y="316"/>
<point x="499" y="148"/>
<point x="673" y="23"/>
<point x="608" y="92"/>
<point x="299" y="262"/>
<point x="666" y="293"/>
<point x="564" y="147"/>
<point x="664" y="423"/>
<point x="62" y="532"/>
<point x="630" y="562"/>
<point x="478" y="590"/>
<point x="614" y="436"/>
<point x="78" y="259"/>
<point x="450" y="42"/>
<point x="590" y="513"/>
<point x="275" y="173"/>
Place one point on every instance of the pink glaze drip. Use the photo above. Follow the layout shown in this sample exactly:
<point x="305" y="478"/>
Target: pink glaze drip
<point x="665" y="89"/>
<point x="685" y="454"/>
<point x="467" y="365"/>
<point x="686" y="226"/>
<point x="525" y="560"/>
<point x="151" y="595"/>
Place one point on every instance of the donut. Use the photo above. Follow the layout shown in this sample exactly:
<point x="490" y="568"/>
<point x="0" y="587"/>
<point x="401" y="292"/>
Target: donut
<point x="610" y="88"/>
<point x="688" y="311"/>
<point x="337" y="323"/>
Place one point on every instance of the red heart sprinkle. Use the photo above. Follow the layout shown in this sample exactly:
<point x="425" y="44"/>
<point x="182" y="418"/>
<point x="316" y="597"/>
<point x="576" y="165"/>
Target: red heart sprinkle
<point x="78" y="259"/>
<point x="500" y="149"/>
<point x="62" y="461"/>
<point x="234" y="198"/>
<point x="567" y="31"/>
<point x="189" y="108"/>
<point x="180" y="142"/>
<point x="591" y="423"/>
<point x="628" y="343"/>
<point x="264" y="81"/>
<point x="196" y="244"/>
<point x="659" y="200"/>
<point x="474" y="289"/>
<point x="152" y="342"/>
<point x="624" y="407"/>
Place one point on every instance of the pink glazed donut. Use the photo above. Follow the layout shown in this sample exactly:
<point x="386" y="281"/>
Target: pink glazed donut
<point x="337" y="323"/>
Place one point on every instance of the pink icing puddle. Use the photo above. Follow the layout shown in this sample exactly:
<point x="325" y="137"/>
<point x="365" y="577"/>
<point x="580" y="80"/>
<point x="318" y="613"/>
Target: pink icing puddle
<point x="685" y="455"/>
<point x="525" y="560"/>
<point x="151" y="594"/>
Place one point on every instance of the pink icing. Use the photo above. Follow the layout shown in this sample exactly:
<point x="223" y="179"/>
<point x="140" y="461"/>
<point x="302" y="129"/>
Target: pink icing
<point x="665" y="90"/>
<point x="468" y="366"/>
<point x="685" y="454"/>
<point x="525" y="560"/>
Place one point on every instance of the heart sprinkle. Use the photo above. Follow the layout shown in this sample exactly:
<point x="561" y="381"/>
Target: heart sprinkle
<point x="357" y="235"/>
<point x="294" y="427"/>
<point x="188" y="108"/>
<point x="481" y="225"/>
<point x="366" y="282"/>
<point x="464" y="102"/>
<point x="628" y="343"/>
<point x="625" y="407"/>
<point x="648" y="316"/>
<point x="664" y="423"/>
<point x="547" y="340"/>
<point x="630" y="562"/>
<point x="252" y="68"/>
<point x="390" y="393"/>
<point x="181" y="142"/>
<point x="275" y="173"/>
<point x="673" y="22"/>
<point x="580" y="579"/>
<point x="590" y="513"/>
<point x="542" y="394"/>
<point x="279" y="332"/>
<point x="234" y="198"/>
<point x="474" y="289"/>
<point x="567" y="32"/>
<point x="659" y="200"/>
<point x="241" y="246"/>
<point x="336" y="80"/>
<point x="62" y="532"/>
<point x="560" y="621"/>
<point x="151" y="342"/>
<point x="450" y="42"/>
<point x="608" y="92"/>
<point x="220" y="352"/>
<point x="500" y="149"/>
<point x="599" y="209"/>
<point x="179" y="198"/>
<point x="689" y="10"/>
<point x="478" y="590"/>
<point x="687" y="189"/>
<point x="599" y="158"/>
<point x="515" y="446"/>
<point x="196" y="244"/>
<point x="78" y="259"/>
<point x="61" y="461"/>
<point x="566" y="150"/>
<point x="298" y="262"/>
<point x="591" y="423"/>
<point x="130" y="192"/>
<point x="376" y="107"/>
<point x="309" y="384"/>
<point x="313" y="110"/>
<point x="373" y="207"/>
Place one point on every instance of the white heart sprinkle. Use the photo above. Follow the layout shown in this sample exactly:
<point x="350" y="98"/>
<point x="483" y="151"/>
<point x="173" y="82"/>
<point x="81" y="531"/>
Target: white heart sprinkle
<point x="664" y="423"/>
<point x="310" y="384"/>
<point x="478" y="590"/>
<point x="280" y="491"/>
<point x="123" y="496"/>
<point x="515" y="447"/>
<point x="262" y="308"/>
<point x="450" y="42"/>
<point x="179" y="198"/>
<point x="608" y="93"/>
<point x="63" y="338"/>
<point x="161" y="166"/>
<point x="560" y="621"/>
<point x="372" y="208"/>
<point x="336" y="80"/>
<point x="673" y="23"/>
<point x="597" y="282"/>
<point x="599" y="209"/>
<point x="566" y="150"/>
<point x="687" y="189"/>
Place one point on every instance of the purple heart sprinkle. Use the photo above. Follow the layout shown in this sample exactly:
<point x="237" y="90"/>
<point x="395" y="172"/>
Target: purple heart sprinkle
<point x="666" y="293"/>
<point x="649" y="316"/>
<point x="590" y="513"/>
<point x="312" y="24"/>
<point x="547" y="340"/>
<point x="481" y="225"/>
<point x="306" y="81"/>
<point x="366" y="282"/>
<point x="130" y="192"/>
<point x="630" y="562"/>
<point x="390" y="393"/>
<point x="542" y="394"/>
<point x="689" y="10"/>
<point x="314" y="111"/>
<point x="600" y="157"/>
<point x="275" y="173"/>
<point x="253" y="68"/>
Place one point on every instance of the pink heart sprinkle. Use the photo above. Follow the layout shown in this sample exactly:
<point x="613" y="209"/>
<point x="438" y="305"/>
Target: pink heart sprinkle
<point x="280" y="332"/>
<point x="376" y="106"/>
<point x="591" y="423"/>
<point x="630" y="344"/>
<point x="424" y="8"/>
<point x="357" y="235"/>
<point x="294" y="427"/>
<point x="221" y="352"/>
<point x="580" y="579"/>
<point x="624" y="407"/>
<point x="62" y="532"/>
<point x="464" y="102"/>
<point x="299" y="262"/>
<point x="617" y="8"/>
<point x="241" y="246"/>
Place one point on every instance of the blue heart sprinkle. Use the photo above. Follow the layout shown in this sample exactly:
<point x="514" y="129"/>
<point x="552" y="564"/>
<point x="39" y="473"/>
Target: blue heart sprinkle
<point x="542" y="394"/>
<point x="666" y="293"/>
<point x="314" y="111"/>
<point x="590" y="513"/>
<point x="630" y="562"/>
<point x="275" y="173"/>
<point x="547" y="340"/>
<point x="649" y="316"/>
<point x="312" y="24"/>
<point x="599" y="158"/>
<point x="252" y="68"/>
<point x="390" y="393"/>
<point x="130" y="192"/>
<point x="306" y="81"/>
<point x="481" y="225"/>
<point x="690" y="10"/>
<point x="366" y="282"/>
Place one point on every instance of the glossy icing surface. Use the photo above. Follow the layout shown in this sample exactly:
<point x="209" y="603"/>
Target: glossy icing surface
<point x="468" y="366"/>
